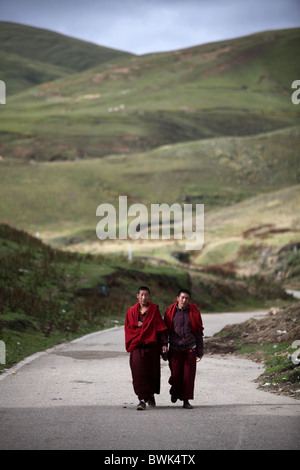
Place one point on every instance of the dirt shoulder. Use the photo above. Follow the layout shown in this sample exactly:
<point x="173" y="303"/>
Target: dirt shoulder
<point x="267" y="340"/>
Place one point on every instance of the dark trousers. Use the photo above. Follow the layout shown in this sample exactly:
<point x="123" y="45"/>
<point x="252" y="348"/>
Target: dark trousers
<point x="145" y="370"/>
<point x="183" y="372"/>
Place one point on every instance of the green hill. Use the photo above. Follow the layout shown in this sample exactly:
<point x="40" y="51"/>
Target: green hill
<point x="49" y="296"/>
<point x="223" y="112"/>
<point x="30" y="56"/>
<point x="249" y="235"/>
<point x="63" y="196"/>
<point x="253" y="179"/>
<point x="237" y="87"/>
<point x="212" y="124"/>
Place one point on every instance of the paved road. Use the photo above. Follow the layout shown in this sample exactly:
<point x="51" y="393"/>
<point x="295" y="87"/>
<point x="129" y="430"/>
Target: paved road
<point x="295" y="293"/>
<point x="79" y="396"/>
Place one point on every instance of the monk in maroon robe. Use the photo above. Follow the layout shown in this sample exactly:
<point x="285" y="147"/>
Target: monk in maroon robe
<point x="145" y="339"/>
<point x="185" y="328"/>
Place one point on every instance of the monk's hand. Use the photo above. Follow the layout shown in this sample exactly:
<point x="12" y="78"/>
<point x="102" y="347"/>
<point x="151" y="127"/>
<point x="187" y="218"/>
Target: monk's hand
<point x="140" y="324"/>
<point x="165" y="349"/>
<point x="199" y="358"/>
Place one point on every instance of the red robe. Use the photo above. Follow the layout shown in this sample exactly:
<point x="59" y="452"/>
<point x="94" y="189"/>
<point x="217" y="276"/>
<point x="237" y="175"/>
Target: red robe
<point x="153" y="324"/>
<point x="183" y="363"/>
<point x="195" y="317"/>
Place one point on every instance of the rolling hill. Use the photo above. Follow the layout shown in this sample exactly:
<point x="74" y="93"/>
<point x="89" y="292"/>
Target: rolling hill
<point x="217" y="172"/>
<point x="30" y="56"/>
<point x="212" y="124"/>
<point x="237" y="87"/>
<point x="245" y="183"/>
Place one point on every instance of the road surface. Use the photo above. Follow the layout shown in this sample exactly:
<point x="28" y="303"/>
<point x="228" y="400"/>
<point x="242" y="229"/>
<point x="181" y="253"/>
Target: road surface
<point x="79" y="395"/>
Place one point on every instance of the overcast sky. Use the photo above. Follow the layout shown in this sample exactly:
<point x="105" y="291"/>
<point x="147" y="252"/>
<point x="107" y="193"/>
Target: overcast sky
<point x="142" y="26"/>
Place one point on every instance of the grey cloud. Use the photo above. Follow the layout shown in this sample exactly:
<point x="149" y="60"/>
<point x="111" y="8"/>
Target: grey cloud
<point x="143" y="26"/>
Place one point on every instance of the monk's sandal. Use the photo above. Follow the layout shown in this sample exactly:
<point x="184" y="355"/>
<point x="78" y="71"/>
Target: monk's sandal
<point x="141" y="405"/>
<point x="187" y="405"/>
<point x="151" y="402"/>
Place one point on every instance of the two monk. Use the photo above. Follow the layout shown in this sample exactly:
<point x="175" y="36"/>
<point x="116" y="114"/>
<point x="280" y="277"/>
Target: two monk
<point x="146" y="338"/>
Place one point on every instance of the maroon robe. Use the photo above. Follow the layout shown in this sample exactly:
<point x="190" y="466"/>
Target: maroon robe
<point x="182" y="361"/>
<point x="144" y="344"/>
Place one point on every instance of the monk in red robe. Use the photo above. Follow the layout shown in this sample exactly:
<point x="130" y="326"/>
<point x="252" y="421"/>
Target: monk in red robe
<point x="145" y="340"/>
<point x="185" y="328"/>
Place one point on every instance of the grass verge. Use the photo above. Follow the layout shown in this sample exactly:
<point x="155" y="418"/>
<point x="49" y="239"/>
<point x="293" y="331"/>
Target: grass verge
<point x="271" y="341"/>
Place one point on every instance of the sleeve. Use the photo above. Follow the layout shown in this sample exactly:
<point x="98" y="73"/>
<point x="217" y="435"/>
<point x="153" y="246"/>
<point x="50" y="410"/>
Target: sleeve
<point x="162" y="337"/>
<point x="199" y="344"/>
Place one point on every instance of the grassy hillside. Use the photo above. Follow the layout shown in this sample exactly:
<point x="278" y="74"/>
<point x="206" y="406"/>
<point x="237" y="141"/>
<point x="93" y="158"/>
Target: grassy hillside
<point x="214" y="106"/>
<point x="62" y="197"/>
<point x="212" y="124"/>
<point x="19" y="72"/>
<point x="248" y="236"/>
<point x="251" y="199"/>
<point x="259" y="236"/>
<point x="30" y="56"/>
<point x="238" y="87"/>
<point x="49" y="296"/>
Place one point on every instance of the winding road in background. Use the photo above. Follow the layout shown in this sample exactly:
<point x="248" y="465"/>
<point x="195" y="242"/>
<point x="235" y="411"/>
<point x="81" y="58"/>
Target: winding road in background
<point x="79" y="395"/>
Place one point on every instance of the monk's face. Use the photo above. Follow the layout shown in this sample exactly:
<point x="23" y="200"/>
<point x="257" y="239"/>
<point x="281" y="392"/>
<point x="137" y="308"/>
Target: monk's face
<point x="183" y="300"/>
<point x="143" y="297"/>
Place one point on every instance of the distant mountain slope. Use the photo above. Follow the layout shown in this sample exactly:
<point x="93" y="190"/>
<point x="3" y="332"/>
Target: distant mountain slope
<point x="249" y="234"/>
<point x="20" y="73"/>
<point x="32" y="55"/>
<point x="63" y="196"/>
<point x="237" y="87"/>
